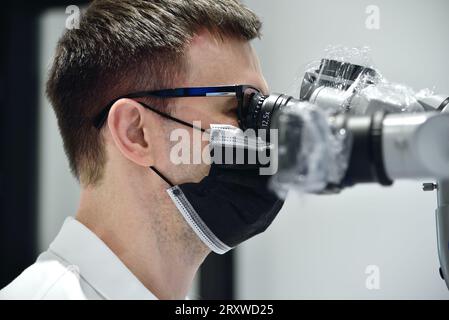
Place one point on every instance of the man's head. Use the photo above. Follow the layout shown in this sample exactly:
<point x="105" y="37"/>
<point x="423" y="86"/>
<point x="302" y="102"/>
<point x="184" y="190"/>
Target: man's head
<point x="128" y="46"/>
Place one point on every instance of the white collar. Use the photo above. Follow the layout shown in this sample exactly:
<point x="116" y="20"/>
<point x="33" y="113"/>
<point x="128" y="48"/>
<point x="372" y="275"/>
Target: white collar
<point x="97" y="264"/>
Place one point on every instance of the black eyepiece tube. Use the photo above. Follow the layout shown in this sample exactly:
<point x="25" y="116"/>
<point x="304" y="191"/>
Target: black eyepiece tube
<point x="366" y="162"/>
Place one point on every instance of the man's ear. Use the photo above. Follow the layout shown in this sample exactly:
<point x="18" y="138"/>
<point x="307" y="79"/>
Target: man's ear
<point x="126" y="122"/>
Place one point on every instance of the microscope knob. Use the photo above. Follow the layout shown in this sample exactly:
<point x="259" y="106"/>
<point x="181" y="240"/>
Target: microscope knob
<point x="430" y="186"/>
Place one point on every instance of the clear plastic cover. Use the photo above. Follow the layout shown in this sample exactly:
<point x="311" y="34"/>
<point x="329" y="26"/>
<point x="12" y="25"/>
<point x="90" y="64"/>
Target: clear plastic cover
<point x="317" y="153"/>
<point x="344" y="81"/>
<point x="347" y="80"/>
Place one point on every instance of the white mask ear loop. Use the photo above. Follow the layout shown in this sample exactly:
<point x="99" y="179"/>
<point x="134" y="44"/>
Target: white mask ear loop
<point x="192" y="218"/>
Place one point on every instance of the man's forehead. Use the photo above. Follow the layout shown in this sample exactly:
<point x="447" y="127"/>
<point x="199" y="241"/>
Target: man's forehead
<point x="222" y="61"/>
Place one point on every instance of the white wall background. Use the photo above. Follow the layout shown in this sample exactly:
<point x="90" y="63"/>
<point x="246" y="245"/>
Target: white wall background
<point x="58" y="190"/>
<point x="320" y="246"/>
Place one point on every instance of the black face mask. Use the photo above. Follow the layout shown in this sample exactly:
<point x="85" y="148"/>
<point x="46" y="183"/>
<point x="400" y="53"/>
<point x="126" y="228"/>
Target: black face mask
<point x="230" y="205"/>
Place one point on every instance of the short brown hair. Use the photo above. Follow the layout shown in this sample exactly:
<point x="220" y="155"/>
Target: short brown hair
<point x="125" y="46"/>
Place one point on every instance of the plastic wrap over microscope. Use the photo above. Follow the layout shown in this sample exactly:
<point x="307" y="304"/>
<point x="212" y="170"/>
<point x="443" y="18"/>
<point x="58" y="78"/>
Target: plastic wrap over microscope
<point x="350" y="126"/>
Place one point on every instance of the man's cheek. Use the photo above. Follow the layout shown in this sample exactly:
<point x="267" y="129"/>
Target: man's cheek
<point x="229" y="118"/>
<point x="189" y="147"/>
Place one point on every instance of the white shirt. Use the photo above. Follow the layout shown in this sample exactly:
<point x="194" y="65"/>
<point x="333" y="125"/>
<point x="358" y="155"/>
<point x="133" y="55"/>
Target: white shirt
<point x="77" y="265"/>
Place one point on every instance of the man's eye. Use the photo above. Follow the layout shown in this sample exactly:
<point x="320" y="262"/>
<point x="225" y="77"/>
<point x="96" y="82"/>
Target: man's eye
<point x="232" y="110"/>
<point x="228" y="106"/>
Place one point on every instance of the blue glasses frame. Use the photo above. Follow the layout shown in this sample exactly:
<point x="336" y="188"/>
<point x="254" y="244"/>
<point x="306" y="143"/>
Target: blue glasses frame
<point x="237" y="91"/>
